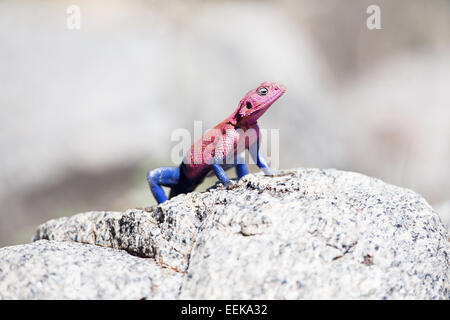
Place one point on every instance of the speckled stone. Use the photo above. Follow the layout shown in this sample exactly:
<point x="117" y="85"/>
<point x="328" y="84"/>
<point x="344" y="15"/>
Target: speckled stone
<point x="70" y="270"/>
<point x="165" y="233"/>
<point x="304" y="234"/>
<point x="443" y="209"/>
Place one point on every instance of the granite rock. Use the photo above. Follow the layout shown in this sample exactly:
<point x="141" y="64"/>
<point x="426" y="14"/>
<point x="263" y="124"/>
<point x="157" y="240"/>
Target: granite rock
<point x="443" y="209"/>
<point x="69" y="270"/>
<point x="303" y="234"/>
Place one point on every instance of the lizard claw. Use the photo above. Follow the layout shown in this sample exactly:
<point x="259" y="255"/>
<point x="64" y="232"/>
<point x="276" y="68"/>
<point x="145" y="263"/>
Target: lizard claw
<point x="269" y="173"/>
<point x="280" y="174"/>
<point x="276" y="173"/>
<point x="231" y="186"/>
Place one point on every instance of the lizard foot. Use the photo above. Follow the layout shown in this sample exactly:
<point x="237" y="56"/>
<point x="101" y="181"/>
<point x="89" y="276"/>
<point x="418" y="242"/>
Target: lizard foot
<point x="232" y="186"/>
<point x="279" y="174"/>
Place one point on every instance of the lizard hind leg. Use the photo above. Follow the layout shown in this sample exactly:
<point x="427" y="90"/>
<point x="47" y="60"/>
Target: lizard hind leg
<point x="164" y="176"/>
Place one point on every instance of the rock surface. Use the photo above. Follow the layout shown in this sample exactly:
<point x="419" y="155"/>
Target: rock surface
<point x="69" y="270"/>
<point x="306" y="233"/>
<point x="444" y="212"/>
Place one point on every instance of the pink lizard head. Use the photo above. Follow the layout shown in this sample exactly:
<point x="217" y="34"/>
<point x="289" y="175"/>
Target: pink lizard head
<point x="256" y="102"/>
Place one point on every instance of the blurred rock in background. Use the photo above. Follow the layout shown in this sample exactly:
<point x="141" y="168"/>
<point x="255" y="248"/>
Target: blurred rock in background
<point x="85" y="113"/>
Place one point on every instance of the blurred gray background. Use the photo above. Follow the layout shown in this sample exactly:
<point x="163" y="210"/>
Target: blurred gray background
<point x="85" y="113"/>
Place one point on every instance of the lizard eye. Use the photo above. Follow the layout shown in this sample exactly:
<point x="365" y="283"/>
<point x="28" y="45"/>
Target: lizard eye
<point x="248" y="105"/>
<point x="262" y="91"/>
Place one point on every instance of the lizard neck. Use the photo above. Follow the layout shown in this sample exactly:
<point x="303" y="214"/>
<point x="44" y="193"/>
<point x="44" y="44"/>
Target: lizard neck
<point x="244" y="123"/>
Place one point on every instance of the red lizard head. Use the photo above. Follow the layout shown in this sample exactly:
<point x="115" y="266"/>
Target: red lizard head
<point x="256" y="102"/>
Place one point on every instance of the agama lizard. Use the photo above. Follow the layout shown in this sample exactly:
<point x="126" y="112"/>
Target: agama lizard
<point x="220" y="148"/>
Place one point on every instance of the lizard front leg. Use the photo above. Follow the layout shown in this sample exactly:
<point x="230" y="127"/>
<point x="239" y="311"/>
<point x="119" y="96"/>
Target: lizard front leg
<point x="221" y="175"/>
<point x="262" y="164"/>
<point x="223" y="153"/>
<point x="241" y="166"/>
<point x="241" y="170"/>
<point x="257" y="156"/>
